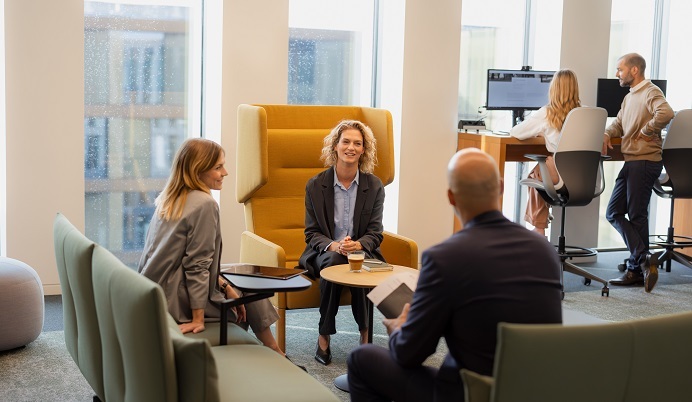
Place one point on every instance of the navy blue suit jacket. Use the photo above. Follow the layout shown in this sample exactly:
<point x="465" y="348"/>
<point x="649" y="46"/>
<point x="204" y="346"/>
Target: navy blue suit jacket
<point x="492" y="271"/>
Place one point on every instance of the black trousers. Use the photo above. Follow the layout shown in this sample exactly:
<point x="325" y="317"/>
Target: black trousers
<point x="330" y="293"/>
<point x="628" y="209"/>
<point x="374" y="377"/>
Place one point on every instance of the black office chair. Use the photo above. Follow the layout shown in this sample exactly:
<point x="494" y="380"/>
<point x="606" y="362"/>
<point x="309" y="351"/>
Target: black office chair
<point x="580" y="165"/>
<point x="675" y="183"/>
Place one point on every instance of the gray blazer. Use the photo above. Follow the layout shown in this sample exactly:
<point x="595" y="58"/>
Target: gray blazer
<point x="183" y="257"/>
<point x="319" y="217"/>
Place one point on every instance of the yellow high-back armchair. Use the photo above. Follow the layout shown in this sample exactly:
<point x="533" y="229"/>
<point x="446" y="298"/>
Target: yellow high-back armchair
<point x="278" y="151"/>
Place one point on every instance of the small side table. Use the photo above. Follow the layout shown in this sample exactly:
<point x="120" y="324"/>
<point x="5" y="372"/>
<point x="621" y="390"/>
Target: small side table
<point x="261" y="288"/>
<point x="341" y="275"/>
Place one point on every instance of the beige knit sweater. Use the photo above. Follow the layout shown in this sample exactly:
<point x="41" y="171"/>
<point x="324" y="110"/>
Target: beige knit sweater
<point x="644" y="110"/>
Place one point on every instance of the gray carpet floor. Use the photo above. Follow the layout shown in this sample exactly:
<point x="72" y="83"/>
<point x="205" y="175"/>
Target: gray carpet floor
<point x="43" y="370"/>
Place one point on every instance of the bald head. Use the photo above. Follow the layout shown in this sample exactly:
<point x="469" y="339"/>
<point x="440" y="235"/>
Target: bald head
<point x="474" y="181"/>
<point x="635" y="60"/>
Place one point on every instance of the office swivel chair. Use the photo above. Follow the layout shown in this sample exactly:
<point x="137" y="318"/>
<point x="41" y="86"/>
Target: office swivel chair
<point x="675" y="183"/>
<point x="580" y="165"/>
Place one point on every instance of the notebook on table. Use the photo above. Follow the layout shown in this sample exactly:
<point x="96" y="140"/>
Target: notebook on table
<point x="373" y="265"/>
<point x="261" y="271"/>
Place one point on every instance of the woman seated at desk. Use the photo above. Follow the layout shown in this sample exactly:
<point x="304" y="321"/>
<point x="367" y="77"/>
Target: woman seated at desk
<point x="563" y="96"/>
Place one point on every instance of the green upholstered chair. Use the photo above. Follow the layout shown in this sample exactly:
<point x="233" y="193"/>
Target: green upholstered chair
<point x="145" y="358"/>
<point x="633" y="361"/>
<point x="73" y="253"/>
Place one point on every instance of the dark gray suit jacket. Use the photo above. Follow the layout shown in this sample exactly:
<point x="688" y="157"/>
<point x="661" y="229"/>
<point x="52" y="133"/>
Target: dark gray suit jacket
<point x="319" y="217"/>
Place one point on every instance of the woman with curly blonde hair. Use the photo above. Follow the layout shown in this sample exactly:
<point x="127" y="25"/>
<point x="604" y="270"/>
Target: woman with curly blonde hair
<point x="368" y="159"/>
<point x="563" y="96"/>
<point x="343" y="213"/>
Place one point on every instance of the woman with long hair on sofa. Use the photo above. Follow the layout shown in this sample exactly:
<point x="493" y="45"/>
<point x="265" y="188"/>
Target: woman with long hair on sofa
<point x="183" y="246"/>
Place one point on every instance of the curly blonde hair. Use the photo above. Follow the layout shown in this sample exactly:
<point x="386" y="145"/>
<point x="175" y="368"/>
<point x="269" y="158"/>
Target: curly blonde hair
<point x="563" y="97"/>
<point x="367" y="161"/>
<point x="195" y="156"/>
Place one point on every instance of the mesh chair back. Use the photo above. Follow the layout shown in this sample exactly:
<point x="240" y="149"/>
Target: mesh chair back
<point x="579" y="152"/>
<point x="677" y="153"/>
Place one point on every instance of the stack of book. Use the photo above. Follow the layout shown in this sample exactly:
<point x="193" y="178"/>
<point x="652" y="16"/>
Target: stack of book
<point x="372" y="265"/>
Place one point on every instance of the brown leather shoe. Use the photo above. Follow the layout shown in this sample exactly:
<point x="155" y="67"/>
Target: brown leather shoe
<point x="628" y="279"/>
<point x="650" y="272"/>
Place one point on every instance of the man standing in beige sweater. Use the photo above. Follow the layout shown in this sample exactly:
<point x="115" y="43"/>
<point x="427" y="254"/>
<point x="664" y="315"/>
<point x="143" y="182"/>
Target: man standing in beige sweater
<point x="642" y="116"/>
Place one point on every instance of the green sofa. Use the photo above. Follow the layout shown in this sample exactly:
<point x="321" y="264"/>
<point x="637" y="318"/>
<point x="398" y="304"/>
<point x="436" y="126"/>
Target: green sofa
<point x="635" y="361"/>
<point x="129" y="348"/>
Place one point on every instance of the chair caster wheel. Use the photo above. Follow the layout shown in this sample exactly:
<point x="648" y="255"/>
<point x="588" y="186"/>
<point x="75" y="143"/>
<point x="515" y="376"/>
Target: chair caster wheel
<point x="622" y="267"/>
<point x="587" y="281"/>
<point x="605" y="292"/>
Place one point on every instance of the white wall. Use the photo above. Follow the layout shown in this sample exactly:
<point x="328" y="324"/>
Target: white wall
<point x="585" y="42"/>
<point x="255" y="70"/>
<point x="429" y="112"/>
<point x="44" y="121"/>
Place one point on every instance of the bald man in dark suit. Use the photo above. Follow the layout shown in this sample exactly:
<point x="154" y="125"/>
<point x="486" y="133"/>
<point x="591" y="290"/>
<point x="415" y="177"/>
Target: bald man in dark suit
<point x="491" y="271"/>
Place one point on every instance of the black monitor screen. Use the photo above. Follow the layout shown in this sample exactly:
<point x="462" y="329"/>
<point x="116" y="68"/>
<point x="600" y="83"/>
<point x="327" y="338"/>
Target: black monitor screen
<point x="517" y="89"/>
<point x="610" y="94"/>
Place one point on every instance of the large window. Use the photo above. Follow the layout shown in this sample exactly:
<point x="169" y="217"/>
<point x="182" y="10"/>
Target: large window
<point x="631" y="30"/>
<point x="138" y="98"/>
<point x="507" y="38"/>
<point x="330" y="52"/>
<point x="675" y="55"/>
<point x="545" y="34"/>
<point x="488" y="40"/>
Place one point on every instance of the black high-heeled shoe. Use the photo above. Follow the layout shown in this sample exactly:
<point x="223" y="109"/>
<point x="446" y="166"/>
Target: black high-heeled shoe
<point x="323" y="356"/>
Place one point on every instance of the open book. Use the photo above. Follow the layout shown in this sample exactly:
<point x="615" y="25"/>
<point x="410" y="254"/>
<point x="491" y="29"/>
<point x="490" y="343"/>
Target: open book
<point x="391" y="295"/>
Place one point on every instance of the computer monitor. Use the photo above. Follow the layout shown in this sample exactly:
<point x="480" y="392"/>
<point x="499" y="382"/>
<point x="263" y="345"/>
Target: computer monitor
<point x="517" y="89"/>
<point x="609" y="94"/>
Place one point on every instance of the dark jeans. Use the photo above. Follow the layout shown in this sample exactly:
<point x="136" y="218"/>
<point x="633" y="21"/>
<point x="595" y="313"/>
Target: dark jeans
<point x="631" y="197"/>
<point x="330" y="293"/>
<point x="373" y="377"/>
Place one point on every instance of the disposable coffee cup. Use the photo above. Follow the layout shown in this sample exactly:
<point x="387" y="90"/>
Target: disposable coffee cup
<point x="355" y="260"/>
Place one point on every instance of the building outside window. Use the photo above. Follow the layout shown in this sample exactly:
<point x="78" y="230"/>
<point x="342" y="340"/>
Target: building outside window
<point x="330" y="60"/>
<point x="137" y="98"/>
